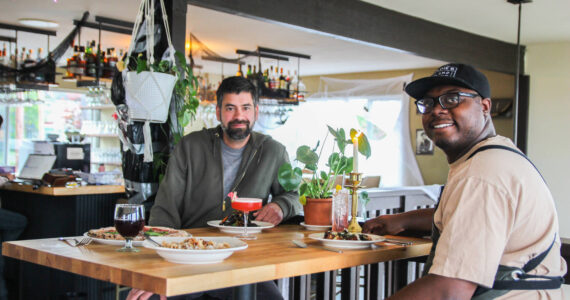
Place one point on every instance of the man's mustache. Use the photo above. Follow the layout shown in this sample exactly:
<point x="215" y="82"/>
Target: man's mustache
<point x="239" y="122"/>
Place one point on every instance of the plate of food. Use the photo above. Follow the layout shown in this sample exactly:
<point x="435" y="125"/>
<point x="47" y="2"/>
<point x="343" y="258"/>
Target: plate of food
<point x="195" y="250"/>
<point x="346" y="240"/>
<point x="253" y="226"/>
<point x="315" y="227"/>
<point x="110" y="236"/>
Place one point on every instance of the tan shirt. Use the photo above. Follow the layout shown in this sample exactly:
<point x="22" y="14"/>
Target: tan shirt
<point x="496" y="209"/>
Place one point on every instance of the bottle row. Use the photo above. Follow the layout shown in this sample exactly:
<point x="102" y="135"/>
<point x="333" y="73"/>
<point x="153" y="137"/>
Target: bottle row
<point x="273" y="82"/>
<point x="90" y="61"/>
<point x="23" y="59"/>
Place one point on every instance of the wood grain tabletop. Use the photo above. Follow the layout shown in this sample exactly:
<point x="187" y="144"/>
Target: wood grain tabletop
<point x="271" y="256"/>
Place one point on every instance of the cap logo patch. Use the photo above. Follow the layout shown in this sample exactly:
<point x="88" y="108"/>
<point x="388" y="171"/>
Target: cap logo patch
<point x="446" y="71"/>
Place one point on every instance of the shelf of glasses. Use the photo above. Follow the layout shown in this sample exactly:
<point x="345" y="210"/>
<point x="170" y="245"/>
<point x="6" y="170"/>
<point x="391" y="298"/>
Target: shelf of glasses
<point x="99" y="107"/>
<point x="102" y="134"/>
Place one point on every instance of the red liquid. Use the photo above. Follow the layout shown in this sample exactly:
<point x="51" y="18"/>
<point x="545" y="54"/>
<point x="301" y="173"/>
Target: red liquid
<point x="246" y="204"/>
<point x="128" y="228"/>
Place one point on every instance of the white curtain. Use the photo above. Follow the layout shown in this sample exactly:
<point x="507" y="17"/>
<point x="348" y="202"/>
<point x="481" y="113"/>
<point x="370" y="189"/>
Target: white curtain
<point x="379" y="107"/>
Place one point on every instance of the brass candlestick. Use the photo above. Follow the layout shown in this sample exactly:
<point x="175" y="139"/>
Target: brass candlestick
<point x="355" y="178"/>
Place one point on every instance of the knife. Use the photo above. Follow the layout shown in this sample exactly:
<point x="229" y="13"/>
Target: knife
<point x="302" y="244"/>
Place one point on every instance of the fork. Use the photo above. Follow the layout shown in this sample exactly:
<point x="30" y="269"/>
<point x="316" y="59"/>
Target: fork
<point x="83" y="242"/>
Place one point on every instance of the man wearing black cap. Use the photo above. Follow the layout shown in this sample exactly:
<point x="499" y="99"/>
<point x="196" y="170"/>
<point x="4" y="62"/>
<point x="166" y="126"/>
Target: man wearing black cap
<point x="495" y="225"/>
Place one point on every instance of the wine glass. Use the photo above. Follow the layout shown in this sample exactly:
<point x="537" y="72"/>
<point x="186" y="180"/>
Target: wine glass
<point x="129" y="221"/>
<point x="246" y="205"/>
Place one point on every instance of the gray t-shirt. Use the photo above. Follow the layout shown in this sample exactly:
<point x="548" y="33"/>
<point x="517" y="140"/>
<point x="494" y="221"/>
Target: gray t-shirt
<point x="231" y="159"/>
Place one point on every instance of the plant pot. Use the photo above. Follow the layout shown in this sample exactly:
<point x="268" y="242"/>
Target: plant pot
<point x="148" y="95"/>
<point x="318" y="211"/>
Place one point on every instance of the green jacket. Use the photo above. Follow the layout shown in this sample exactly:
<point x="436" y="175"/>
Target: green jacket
<point x="191" y="191"/>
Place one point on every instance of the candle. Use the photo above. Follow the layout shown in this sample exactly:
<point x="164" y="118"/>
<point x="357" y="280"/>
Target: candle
<point x="355" y="153"/>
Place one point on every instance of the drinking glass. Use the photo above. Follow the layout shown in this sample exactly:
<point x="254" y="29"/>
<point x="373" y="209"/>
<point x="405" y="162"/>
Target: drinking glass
<point x="129" y="221"/>
<point x="340" y="210"/>
<point x="246" y="205"/>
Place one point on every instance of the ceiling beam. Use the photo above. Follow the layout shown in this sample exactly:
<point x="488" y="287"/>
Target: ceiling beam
<point x="368" y="23"/>
<point x="27" y="29"/>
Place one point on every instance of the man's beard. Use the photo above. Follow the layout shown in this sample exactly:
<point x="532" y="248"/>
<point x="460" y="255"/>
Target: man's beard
<point x="237" y="134"/>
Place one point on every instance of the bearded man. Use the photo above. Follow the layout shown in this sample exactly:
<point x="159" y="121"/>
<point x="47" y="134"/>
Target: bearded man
<point x="206" y="165"/>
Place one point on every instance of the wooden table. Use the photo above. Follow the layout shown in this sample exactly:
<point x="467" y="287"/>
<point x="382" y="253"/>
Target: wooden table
<point x="271" y="256"/>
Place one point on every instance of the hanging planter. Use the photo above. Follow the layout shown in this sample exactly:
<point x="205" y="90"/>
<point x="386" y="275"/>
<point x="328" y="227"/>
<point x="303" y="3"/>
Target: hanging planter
<point x="148" y="92"/>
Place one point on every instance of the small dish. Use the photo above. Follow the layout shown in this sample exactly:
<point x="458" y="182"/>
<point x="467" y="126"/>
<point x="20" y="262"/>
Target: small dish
<point x="239" y="229"/>
<point x="315" y="227"/>
<point x="198" y="256"/>
<point x="346" y="244"/>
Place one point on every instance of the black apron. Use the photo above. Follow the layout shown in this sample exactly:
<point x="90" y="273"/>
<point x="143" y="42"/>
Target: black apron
<point x="507" y="278"/>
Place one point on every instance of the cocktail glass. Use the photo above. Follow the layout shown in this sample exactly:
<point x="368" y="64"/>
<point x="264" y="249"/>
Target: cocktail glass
<point x="246" y="205"/>
<point x="129" y="221"/>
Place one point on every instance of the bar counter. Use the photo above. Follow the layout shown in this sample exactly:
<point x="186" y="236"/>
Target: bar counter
<point x="55" y="212"/>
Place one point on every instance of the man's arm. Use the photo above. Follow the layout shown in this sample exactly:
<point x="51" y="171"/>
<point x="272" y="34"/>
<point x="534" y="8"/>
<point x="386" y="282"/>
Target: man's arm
<point x="283" y="204"/>
<point x="166" y="210"/>
<point x="437" y="287"/>
<point x="416" y="220"/>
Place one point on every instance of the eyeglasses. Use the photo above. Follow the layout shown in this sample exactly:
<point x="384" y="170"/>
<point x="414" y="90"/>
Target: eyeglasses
<point x="447" y="101"/>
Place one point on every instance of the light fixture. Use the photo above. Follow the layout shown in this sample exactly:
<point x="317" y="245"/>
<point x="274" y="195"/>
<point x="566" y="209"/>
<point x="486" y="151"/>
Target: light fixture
<point x="38" y="23"/>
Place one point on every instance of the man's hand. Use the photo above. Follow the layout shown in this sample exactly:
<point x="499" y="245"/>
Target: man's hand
<point x="386" y="224"/>
<point x="136" y="294"/>
<point x="271" y="213"/>
<point x="10" y="176"/>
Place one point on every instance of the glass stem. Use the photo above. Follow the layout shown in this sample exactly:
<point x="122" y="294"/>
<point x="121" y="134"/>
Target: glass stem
<point x="245" y="223"/>
<point x="128" y="243"/>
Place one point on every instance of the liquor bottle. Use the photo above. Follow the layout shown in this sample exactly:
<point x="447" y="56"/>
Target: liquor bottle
<point x="29" y="62"/>
<point x="248" y="74"/>
<point x="40" y="54"/>
<point x="81" y="63"/>
<point x="90" y="59"/>
<point x="266" y="78"/>
<point x="239" y="72"/>
<point x="3" y="55"/>
<point x="255" y="71"/>
<point x="281" y="80"/>
<point x="288" y="81"/>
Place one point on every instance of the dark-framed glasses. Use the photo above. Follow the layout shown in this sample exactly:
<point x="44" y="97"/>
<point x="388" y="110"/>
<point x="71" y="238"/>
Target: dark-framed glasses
<point x="447" y="101"/>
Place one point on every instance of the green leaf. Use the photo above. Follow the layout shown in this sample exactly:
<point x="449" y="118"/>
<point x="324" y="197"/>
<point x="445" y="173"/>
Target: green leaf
<point x="289" y="178"/>
<point x="363" y="144"/>
<point x="306" y="155"/>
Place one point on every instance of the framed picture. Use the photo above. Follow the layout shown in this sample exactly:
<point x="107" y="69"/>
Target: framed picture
<point x="423" y="144"/>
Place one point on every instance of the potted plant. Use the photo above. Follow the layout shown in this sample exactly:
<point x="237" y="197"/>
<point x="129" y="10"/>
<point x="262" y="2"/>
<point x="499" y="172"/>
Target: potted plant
<point x="315" y="193"/>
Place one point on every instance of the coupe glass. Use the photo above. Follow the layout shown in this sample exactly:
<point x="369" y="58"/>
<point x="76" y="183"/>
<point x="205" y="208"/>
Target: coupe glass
<point x="246" y="205"/>
<point x="129" y="221"/>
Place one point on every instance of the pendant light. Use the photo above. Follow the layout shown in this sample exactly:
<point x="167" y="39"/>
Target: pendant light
<point x="517" y="73"/>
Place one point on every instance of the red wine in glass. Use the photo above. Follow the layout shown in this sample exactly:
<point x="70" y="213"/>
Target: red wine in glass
<point x="129" y="221"/>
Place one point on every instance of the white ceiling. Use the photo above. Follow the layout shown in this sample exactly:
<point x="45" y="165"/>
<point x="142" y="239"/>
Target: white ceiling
<point x="543" y="21"/>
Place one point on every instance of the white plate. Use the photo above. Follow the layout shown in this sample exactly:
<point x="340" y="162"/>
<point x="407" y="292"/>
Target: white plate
<point x="315" y="227"/>
<point x="237" y="230"/>
<point x="114" y="242"/>
<point x="346" y="244"/>
<point x="187" y="256"/>
<point x="137" y="243"/>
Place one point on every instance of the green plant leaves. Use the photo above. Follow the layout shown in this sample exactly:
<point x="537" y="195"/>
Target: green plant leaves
<point x="306" y="155"/>
<point x="288" y="177"/>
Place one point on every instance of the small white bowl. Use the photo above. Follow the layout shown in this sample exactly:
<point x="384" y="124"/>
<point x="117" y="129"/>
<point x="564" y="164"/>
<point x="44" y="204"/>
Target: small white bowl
<point x="188" y="256"/>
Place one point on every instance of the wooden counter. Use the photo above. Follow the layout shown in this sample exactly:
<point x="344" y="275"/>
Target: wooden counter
<point x="63" y="191"/>
<point x="271" y="256"/>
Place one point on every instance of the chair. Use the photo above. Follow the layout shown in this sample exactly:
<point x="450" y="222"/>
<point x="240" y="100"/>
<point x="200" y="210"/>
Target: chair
<point x="371" y="181"/>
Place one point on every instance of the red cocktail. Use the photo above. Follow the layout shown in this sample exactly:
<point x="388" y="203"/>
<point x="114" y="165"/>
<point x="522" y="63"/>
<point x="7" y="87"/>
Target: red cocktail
<point x="246" y="205"/>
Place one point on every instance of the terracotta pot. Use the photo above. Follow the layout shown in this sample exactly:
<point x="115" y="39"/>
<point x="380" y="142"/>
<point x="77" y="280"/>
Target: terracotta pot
<point x="318" y="211"/>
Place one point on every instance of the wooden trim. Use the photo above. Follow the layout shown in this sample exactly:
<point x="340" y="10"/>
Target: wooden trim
<point x="62" y="191"/>
<point x="373" y="24"/>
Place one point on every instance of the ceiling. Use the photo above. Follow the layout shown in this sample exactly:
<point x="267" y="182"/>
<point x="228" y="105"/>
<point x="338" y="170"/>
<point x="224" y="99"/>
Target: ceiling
<point x="542" y="22"/>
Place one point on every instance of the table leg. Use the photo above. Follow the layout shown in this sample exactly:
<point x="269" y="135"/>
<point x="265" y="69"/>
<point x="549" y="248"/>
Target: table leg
<point x="245" y="292"/>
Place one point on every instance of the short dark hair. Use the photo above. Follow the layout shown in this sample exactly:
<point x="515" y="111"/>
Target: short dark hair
<point x="236" y="85"/>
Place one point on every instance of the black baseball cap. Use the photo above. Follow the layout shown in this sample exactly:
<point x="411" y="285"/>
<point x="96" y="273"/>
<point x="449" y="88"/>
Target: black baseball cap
<point x="451" y="74"/>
